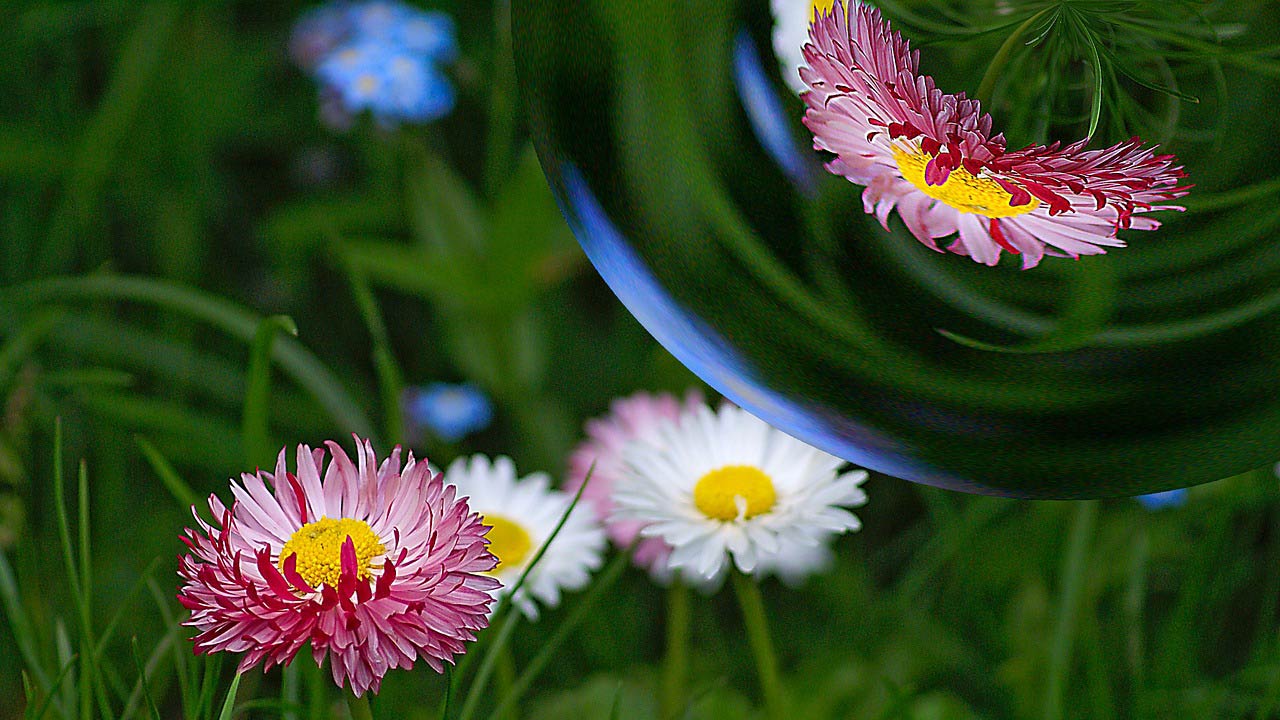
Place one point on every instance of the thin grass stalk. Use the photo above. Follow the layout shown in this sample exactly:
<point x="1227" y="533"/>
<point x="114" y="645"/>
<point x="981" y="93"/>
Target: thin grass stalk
<point x="534" y="668"/>
<point x="255" y="421"/>
<point x="1072" y="586"/>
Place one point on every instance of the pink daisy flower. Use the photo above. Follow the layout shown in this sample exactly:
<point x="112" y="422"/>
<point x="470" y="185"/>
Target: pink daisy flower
<point x="932" y="157"/>
<point x="374" y="565"/>
<point x="636" y="417"/>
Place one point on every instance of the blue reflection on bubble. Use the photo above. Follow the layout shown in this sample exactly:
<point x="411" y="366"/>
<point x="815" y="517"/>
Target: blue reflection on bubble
<point x="710" y="357"/>
<point x="1164" y="500"/>
<point x="768" y="118"/>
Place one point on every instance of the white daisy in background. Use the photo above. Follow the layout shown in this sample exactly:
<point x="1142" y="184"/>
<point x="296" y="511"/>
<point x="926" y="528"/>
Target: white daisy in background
<point x="791" y="20"/>
<point x="725" y="486"/>
<point x="522" y="513"/>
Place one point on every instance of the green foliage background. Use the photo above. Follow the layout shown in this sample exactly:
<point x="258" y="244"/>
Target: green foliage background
<point x="166" y="191"/>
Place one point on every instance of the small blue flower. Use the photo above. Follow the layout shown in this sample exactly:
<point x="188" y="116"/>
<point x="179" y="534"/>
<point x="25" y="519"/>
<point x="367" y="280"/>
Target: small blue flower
<point x="449" y="411"/>
<point x="431" y="34"/>
<point x="317" y="32"/>
<point x="393" y="84"/>
<point x="1163" y="500"/>
<point x="376" y="19"/>
<point x="379" y="56"/>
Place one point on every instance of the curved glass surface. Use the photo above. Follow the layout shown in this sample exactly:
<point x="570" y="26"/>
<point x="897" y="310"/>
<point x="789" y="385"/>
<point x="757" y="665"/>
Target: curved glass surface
<point x="679" y="158"/>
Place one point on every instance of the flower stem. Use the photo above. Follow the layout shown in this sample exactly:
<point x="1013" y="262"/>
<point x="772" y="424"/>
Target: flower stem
<point x="676" y="662"/>
<point x="359" y="707"/>
<point x="757" y="624"/>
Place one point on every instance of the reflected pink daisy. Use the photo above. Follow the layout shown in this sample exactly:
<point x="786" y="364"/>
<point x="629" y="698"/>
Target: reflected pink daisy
<point x="932" y="157"/>
<point x="636" y="417"/>
<point x="374" y="565"/>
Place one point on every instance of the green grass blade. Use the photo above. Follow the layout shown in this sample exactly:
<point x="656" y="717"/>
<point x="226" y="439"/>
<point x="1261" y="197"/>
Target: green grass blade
<point x="208" y="683"/>
<point x="257" y="399"/>
<point x="20" y="624"/>
<point x="105" y="135"/>
<point x="511" y="612"/>
<point x="35" y="712"/>
<point x="295" y="359"/>
<point x="142" y="678"/>
<point x="122" y="607"/>
<point x="150" y="668"/>
<point x="73" y="575"/>
<point x="1065" y="630"/>
<point x="173" y="482"/>
<point x="603" y="583"/>
<point x="228" y="705"/>
<point x="65" y="655"/>
<point x="390" y="378"/>
<point x="88" y="647"/>
<point x="162" y="600"/>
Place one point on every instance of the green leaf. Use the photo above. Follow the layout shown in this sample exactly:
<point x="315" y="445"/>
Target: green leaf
<point x="446" y="217"/>
<point x="529" y="233"/>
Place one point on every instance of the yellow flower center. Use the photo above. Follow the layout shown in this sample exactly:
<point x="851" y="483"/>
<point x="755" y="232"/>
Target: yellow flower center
<point x="367" y="83"/>
<point x="734" y="491"/>
<point x="823" y="6"/>
<point x="962" y="190"/>
<point x="318" y="546"/>
<point x="508" y="541"/>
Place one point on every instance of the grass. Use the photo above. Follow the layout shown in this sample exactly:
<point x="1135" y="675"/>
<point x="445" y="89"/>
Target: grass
<point x="199" y="273"/>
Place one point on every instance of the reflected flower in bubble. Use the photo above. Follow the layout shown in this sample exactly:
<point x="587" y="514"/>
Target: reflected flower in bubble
<point x="522" y="513"/>
<point x="449" y="411"/>
<point x="1164" y="500"/>
<point x="374" y="565"/>
<point x="633" y="418"/>
<point x="791" y="20"/>
<point x="933" y="158"/>
<point x="724" y="488"/>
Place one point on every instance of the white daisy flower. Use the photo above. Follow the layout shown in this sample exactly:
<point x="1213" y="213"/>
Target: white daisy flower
<point x="790" y="33"/>
<point x="722" y="485"/>
<point x="522" y="514"/>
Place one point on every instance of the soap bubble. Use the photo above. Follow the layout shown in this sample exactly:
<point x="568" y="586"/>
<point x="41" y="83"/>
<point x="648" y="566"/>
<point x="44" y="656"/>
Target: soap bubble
<point x="676" y="149"/>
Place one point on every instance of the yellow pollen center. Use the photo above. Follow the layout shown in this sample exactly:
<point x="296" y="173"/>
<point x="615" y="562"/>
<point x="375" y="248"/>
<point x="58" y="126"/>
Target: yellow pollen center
<point x="962" y="190"/>
<point x="508" y="541"/>
<point x="734" y="491"/>
<point x="823" y="6"/>
<point x="318" y="546"/>
<point x="367" y="83"/>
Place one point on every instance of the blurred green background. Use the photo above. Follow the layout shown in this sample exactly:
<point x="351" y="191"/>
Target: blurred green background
<point x="165" y="185"/>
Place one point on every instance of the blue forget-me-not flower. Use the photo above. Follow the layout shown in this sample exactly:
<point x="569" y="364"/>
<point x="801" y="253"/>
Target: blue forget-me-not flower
<point x="451" y="412"/>
<point x="380" y="56"/>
